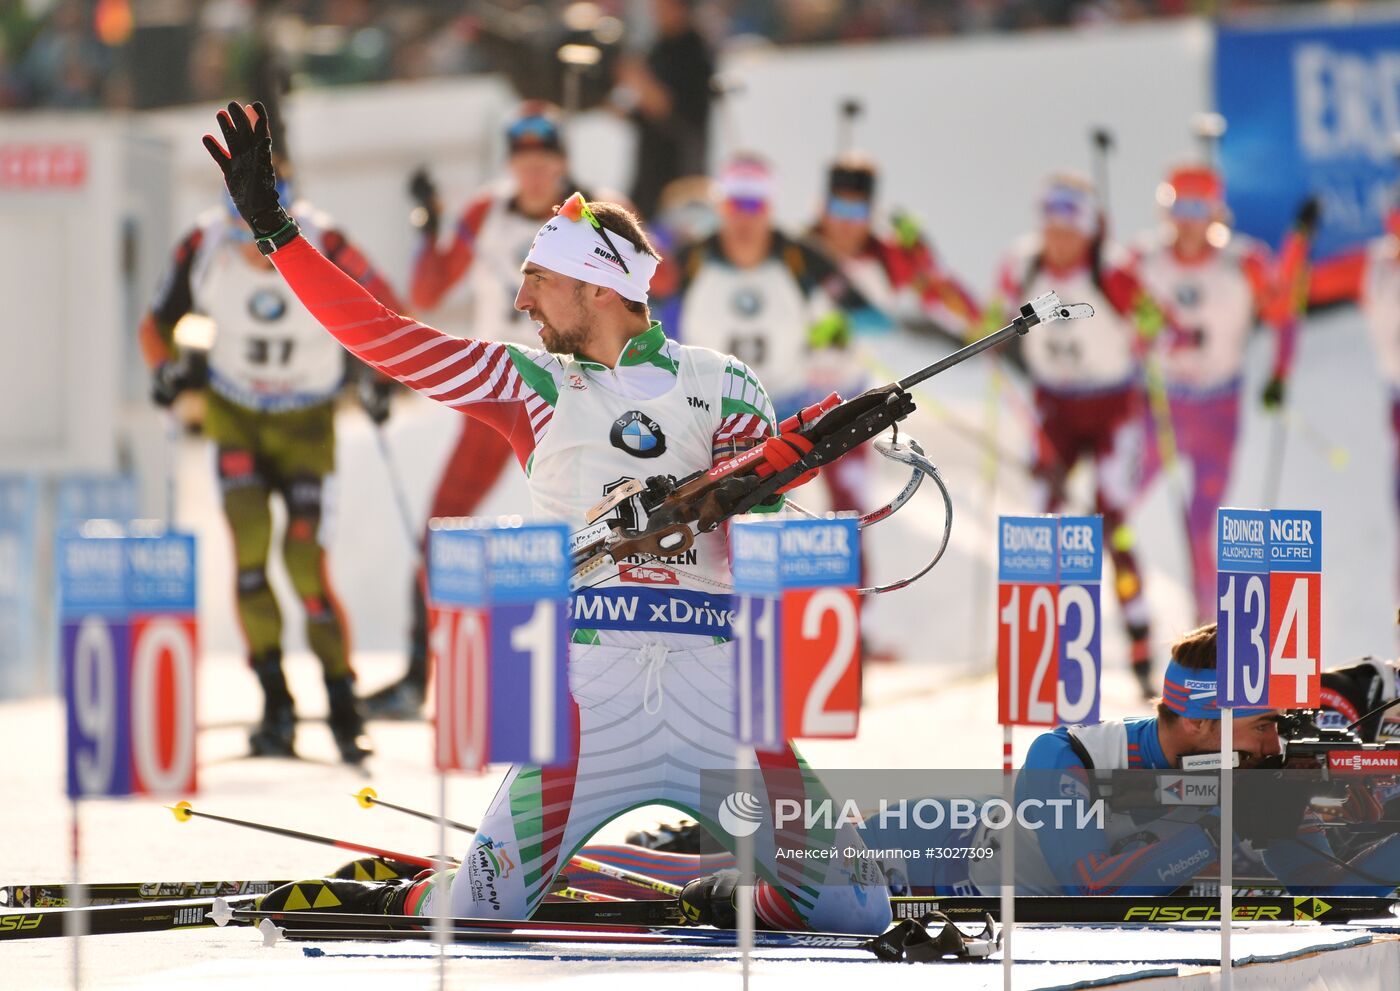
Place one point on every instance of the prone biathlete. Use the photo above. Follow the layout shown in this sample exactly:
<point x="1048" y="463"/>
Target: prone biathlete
<point x="1219" y="284"/>
<point x="608" y="399"/>
<point x="469" y="283"/>
<point x="269" y="385"/>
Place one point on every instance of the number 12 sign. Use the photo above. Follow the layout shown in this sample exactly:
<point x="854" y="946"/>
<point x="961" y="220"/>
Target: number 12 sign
<point x="1028" y="574"/>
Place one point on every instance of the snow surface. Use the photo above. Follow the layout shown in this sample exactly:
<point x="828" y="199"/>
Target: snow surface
<point x="935" y="710"/>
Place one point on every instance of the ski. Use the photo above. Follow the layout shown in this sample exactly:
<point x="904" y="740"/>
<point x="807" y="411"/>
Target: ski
<point x="1122" y="909"/>
<point x="891" y="945"/>
<point x="104" y="920"/>
<point x="41" y="922"/>
<point x="60" y="895"/>
<point x="718" y="938"/>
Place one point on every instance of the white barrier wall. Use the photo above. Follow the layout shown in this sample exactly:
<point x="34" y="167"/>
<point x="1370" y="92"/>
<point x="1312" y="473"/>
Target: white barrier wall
<point x="965" y="130"/>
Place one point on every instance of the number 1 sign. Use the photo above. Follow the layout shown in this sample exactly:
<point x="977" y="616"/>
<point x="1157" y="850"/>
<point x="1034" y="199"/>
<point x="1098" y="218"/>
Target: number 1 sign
<point x="1027" y="620"/>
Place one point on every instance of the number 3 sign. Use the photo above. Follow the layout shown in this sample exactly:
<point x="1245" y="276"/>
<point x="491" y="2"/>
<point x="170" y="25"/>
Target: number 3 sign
<point x="796" y="629"/>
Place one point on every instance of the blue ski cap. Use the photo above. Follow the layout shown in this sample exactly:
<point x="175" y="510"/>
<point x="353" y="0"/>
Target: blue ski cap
<point x="1191" y="692"/>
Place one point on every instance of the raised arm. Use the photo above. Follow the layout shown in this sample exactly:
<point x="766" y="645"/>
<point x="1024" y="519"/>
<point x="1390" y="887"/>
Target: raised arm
<point x="512" y="388"/>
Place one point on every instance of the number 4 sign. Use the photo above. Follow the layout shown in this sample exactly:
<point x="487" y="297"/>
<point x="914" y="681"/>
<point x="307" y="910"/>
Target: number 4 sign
<point x="796" y="629"/>
<point x="1027" y="620"/>
<point x="1295" y="596"/>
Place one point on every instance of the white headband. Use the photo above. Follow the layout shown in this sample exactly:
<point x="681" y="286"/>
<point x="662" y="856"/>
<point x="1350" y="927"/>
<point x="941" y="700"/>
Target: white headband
<point x="574" y="247"/>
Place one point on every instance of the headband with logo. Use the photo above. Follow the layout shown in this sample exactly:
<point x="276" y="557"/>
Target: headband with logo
<point x="574" y="243"/>
<point x="1190" y="692"/>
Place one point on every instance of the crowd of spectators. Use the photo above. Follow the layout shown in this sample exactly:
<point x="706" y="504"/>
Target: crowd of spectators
<point x="72" y="54"/>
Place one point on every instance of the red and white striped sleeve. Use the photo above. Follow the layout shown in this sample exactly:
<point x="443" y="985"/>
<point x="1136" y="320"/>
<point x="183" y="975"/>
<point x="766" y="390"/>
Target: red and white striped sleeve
<point x="514" y="389"/>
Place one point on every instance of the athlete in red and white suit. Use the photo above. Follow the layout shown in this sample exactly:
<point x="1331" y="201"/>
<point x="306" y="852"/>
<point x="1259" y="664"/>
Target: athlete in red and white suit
<point x="1086" y="378"/>
<point x="470" y="283"/>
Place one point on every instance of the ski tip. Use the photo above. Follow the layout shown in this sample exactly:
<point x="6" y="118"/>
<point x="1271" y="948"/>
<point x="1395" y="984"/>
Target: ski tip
<point x="182" y="811"/>
<point x="271" y="934"/>
<point x="366" y="796"/>
<point x="220" y="913"/>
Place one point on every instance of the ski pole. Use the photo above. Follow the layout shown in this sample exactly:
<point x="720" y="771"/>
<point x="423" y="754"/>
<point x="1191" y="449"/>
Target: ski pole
<point x="396" y="485"/>
<point x="184" y="813"/>
<point x="368" y="799"/>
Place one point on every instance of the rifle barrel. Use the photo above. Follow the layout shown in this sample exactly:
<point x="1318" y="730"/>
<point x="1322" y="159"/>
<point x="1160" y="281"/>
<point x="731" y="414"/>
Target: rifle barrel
<point x="1016" y="327"/>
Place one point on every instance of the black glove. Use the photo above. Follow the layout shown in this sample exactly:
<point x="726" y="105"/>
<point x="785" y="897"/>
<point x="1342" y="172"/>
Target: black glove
<point x="427" y="214"/>
<point x="1305" y="221"/>
<point x="1270" y="803"/>
<point x="1273" y="395"/>
<point x="250" y="177"/>
<point x="374" y="394"/>
<point x="171" y="378"/>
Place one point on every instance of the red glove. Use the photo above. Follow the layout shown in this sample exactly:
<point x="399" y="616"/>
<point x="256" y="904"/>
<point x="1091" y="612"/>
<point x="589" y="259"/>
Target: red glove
<point x="781" y="453"/>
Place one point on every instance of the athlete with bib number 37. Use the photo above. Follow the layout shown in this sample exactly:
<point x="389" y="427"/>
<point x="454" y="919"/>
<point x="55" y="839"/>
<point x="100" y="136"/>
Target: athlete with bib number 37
<point x="610" y="399"/>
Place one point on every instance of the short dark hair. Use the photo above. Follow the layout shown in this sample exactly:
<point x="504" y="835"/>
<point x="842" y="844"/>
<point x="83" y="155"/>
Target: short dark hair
<point x="622" y="222"/>
<point x="1194" y="650"/>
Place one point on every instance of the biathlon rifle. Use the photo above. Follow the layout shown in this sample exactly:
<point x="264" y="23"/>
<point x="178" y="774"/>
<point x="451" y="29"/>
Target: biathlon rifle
<point x="675" y="510"/>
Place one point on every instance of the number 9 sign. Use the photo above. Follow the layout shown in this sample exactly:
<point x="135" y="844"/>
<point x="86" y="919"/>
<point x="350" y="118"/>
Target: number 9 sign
<point x="129" y="642"/>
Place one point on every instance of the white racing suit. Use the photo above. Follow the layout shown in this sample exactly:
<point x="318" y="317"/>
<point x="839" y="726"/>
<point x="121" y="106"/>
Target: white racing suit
<point x="650" y="663"/>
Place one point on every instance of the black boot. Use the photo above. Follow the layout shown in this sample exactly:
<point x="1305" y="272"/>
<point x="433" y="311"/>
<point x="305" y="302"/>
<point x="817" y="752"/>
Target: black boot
<point x="709" y="900"/>
<point x="346" y="722"/>
<point x="275" y="735"/>
<point x="377" y="869"/>
<point x="337" y="895"/>
<point x="686" y="836"/>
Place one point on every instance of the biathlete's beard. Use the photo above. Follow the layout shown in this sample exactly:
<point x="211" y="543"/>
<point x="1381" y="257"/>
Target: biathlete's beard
<point x="563" y="340"/>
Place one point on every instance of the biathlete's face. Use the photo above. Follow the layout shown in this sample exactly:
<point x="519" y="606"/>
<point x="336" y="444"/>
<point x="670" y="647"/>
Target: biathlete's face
<point x="538" y="174"/>
<point x="1065" y="245"/>
<point x="1256" y="736"/>
<point x="846" y="223"/>
<point x="558" y="304"/>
